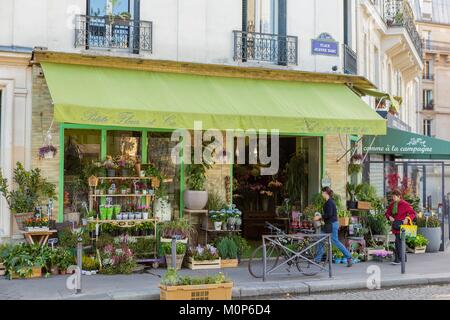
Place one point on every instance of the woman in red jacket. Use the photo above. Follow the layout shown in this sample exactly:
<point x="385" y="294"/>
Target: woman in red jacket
<point x="397" y="214"/>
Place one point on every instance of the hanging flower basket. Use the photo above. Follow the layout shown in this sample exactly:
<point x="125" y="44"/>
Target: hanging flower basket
<point x="47" y="152"/>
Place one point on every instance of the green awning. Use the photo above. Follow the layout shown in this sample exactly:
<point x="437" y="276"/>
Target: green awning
<point x="395" y="100"/>
<point x="407" y="145"/>
<point x="133" y="98"/>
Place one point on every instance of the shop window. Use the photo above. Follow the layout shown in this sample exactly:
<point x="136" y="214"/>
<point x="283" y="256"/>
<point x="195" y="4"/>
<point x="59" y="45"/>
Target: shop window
<point x="159" y="154"/>
<point x="125" y="144"/>
<point x="81" y="149"/>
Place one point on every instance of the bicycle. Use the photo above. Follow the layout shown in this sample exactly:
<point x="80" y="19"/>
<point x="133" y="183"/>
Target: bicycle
<point x="283" y="249"/>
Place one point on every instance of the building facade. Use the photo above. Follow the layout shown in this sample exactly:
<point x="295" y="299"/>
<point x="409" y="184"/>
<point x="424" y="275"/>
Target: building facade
<point x="433" y="22"/>
<point x="346" y="37"/>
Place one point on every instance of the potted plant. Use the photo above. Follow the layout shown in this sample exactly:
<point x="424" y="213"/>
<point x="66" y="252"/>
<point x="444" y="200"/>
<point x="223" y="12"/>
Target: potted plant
<point x="365" y="194"/>
<point x="337" y="255"/>
<point x="180" y="252"/>
<point x="123" y="188"/>
<point x="381" y="255"/>
<point x="196" y="197"/>
<point x="65" y="259"/>
<point x="344" y="218"/>
<point x="228" y="252"/>
<point x="351" y="192"/>
<point x="110" y="166"/>
<point x="180" y="229"/>
<point x="156" y="177"/>
<point x="203" y="257"/>
<point x="163" y="208"/>
<point x="417" y="244"/>
<point x="176" y="287"/>
<point x="47" y="152"/>
<point x="25" y="260"/>
<point x="30" y="192"/>
<point x="216" y="218"/>
<point x="266" y="195"/>
<point x="430" y="228"/>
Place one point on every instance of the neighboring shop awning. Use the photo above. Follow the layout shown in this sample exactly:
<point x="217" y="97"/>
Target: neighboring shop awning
<point x="132" y="98"/>
<point x="395" y="100"/>
<point x="408" y="145"/>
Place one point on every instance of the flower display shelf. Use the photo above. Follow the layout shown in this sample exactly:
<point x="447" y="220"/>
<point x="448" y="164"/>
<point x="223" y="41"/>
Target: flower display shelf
<point x="197" y="292"/>
<point x="124" y="223"/>
<point x="201" y="265"/>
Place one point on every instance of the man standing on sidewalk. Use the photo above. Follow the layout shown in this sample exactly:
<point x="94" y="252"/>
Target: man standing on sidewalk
<point x="397" y="213"/>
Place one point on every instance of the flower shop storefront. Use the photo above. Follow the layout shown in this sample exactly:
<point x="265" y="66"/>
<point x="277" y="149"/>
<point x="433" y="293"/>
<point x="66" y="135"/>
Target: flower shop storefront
<point x="125" y="132"/>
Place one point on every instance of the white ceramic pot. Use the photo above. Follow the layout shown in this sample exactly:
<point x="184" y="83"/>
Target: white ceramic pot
<point x="145" y="215"/>
<point x="218" y="225"/>
<point x="195" y="200"/>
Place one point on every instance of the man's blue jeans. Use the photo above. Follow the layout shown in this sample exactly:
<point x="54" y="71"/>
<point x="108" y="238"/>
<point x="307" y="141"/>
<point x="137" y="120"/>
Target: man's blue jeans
<point x="335" y="241"/>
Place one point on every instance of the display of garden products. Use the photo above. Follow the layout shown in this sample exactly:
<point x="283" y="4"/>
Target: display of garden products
<point x="103" y="212"/>
<point x="109" y="212"/>
<point x="116" y="209"/>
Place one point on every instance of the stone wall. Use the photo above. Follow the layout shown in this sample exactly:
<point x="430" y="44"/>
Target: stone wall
<point x="335" y="147"/>
<point x="42" y="118"/>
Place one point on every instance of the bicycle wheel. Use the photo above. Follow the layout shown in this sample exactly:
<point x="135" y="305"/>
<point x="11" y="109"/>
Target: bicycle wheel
<point x="306" y="267"/>
<point x="255" y="264"/>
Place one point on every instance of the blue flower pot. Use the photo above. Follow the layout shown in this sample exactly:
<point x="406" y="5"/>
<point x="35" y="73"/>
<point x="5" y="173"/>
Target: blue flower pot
<point x="337" y="260"/>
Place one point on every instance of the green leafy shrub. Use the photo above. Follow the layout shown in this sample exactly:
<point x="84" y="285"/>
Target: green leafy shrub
<point x="90" y="263"/>
<point x="378" y="223"/>
<point x="417" y="241"/>
<point x="167" y="248"/>
<point x="172" y="278"/>
<point x="31" y="190"/>
<point x="227" y="248"/>
<point x="22" y="258"/>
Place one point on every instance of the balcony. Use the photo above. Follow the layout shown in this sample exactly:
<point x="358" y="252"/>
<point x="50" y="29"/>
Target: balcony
<point x="428" y="76"/>
<point x="429" y="45"/>
<point x="428" y="106"/>
<point x="398" y="13"/>
<point x="350" y="60"/>
<point x="265" y="47"/>
<point x="113" y="32"/>
<point x="394" y="121"/>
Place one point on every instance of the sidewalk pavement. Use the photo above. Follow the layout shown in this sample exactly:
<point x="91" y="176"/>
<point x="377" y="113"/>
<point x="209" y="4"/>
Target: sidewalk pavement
<point x="422" y="269"/>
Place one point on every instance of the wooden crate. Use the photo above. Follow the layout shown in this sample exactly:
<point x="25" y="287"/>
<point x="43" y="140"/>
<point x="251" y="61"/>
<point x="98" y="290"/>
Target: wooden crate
<point x="197" y="292"/>
<point x="229" y="263"/>
<point x="37" y="273"/>
<point x="416" y="250"/>
<point x="369" y="253"/>
<point x="2" y="269"/>
<point x="344" y="221"/>
<point x="364" y="205"/>
<point x="199" y="265"/>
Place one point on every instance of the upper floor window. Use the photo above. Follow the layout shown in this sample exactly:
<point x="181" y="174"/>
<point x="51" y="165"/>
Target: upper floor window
<point x="428" y="99"/>
<point x="113" y="24"/>
<point x="262" y="16"/>
<point x="427" y="127"/>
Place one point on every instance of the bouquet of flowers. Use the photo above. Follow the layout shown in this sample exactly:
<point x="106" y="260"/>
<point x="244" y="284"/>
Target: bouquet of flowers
<point x="204" y="253"/>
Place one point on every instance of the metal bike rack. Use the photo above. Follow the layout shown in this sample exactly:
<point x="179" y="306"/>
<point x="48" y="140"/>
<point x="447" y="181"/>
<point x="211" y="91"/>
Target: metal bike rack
<point x="278" y="240"/>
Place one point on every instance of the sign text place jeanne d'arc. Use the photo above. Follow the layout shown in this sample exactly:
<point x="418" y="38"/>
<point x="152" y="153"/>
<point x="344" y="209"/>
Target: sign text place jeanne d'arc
<point x="325" y="44"/>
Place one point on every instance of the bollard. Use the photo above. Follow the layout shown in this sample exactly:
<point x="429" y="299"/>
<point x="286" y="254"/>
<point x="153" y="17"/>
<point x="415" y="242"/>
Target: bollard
<point x="174" y="252"/>
<point x="403" y="250"/>
<point x="80" y="259"/>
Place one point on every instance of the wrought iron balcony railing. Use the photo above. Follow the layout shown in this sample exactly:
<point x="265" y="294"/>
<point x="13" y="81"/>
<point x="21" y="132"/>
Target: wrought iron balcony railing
<point x="430" y="45"/>
<point x="428" y="76"/>
<point x="428" y="106"/>
<point x="394" y="121"/>
<point x="265" y="47"/>
<point x="350" y="60"/>
<point x="113" y="32"/>
<point x="398" y="13"/>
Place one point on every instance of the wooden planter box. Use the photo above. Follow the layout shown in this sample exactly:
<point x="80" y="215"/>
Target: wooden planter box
<point x="229" y="263"/>
<point x="199" y="265"/>
<point x="417" y="250"/>
<point x="344" y="221"/>
<point x="364" y="205"/>
<point x="37" y="273"/>
<point x="197" y="292"/>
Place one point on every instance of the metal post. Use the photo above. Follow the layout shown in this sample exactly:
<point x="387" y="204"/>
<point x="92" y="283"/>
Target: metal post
<point x="174" y="252"/>
<point x="402" y="250"/>
<point x="330" y="257"/>
<point x="79" y="259"/>
<point x="264" y="260"/>
<point x="443" y="244"/>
